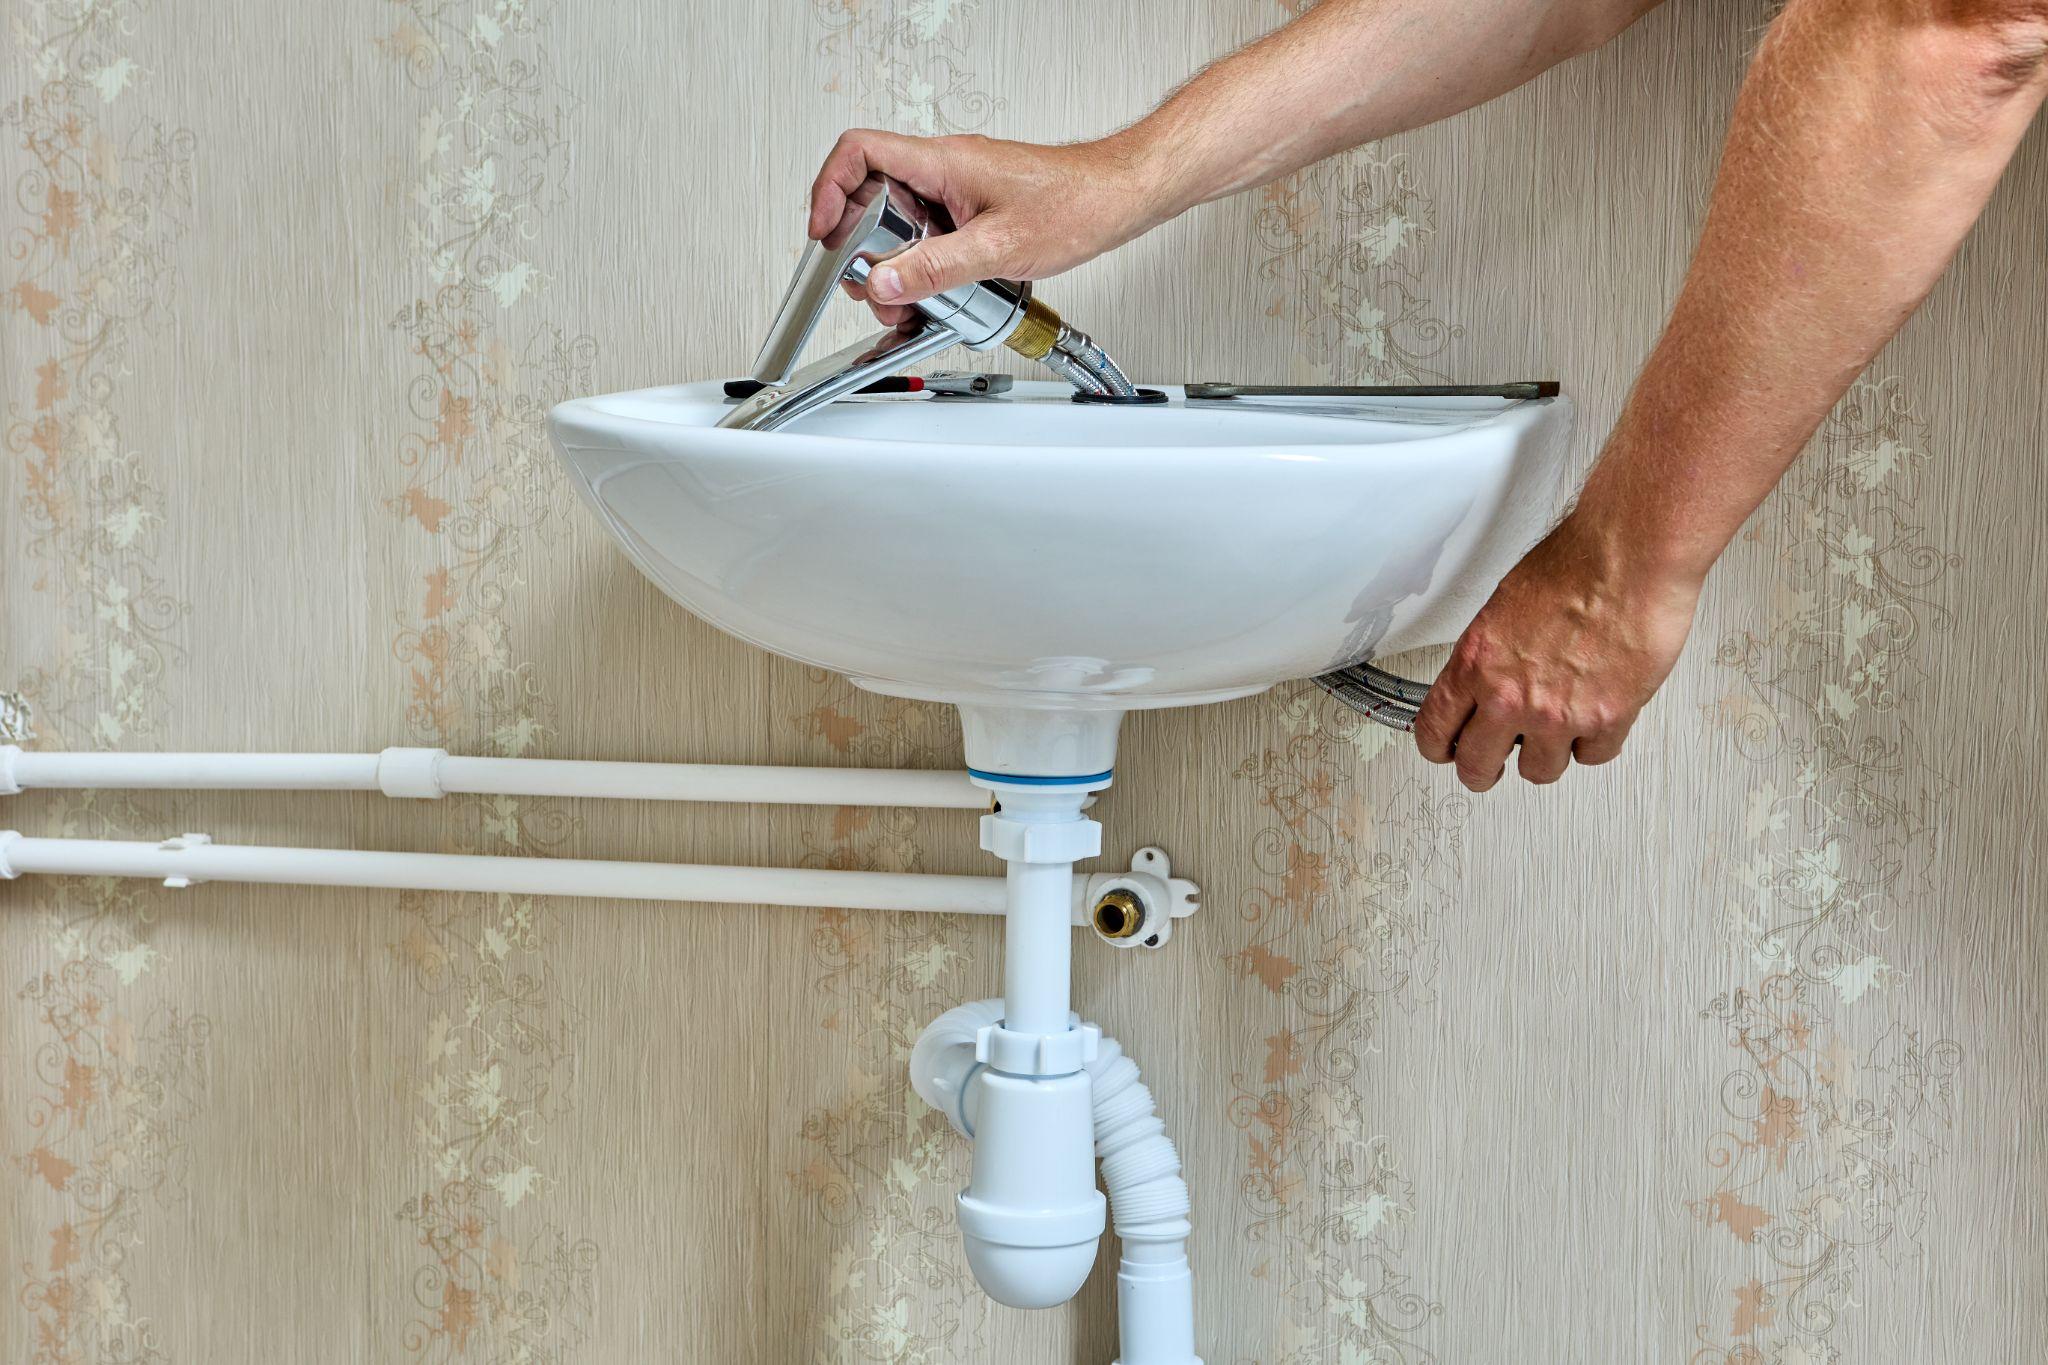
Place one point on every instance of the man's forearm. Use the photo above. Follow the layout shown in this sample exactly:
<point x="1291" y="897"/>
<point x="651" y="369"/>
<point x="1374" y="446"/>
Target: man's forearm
<point x="1346" y="72"/>
<point x="1351" y="71"/>
<point x="1865" y="142"/>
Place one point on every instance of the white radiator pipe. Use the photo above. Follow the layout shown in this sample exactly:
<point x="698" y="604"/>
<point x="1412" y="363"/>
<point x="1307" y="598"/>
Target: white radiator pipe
<point x="428" y="773"/>
<point x="192" y="859"/>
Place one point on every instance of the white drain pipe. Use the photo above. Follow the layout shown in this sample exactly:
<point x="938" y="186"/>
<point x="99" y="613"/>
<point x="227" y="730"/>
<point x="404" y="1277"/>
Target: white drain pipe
<point x="1147" y="1196"/>
<point x="1031" y="1217"/>
<point x="430" y="773"/>
<point x="193" y="858"/>
<point x="1148" y="1200"/>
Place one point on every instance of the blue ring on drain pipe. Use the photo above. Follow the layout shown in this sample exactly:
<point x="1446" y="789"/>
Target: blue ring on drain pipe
<point x="1017" y="780"/>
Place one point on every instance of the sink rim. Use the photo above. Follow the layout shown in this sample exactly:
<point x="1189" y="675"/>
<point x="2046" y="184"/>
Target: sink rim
<point x="1308" y="435"/>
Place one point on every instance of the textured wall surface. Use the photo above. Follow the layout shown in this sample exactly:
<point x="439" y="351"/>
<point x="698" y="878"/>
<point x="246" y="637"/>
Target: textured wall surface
<point x="1730" y="1054"/>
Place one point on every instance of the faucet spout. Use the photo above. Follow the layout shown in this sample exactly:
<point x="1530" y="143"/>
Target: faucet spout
<point x="838" y="374"/>
<point x="881" y="220"/>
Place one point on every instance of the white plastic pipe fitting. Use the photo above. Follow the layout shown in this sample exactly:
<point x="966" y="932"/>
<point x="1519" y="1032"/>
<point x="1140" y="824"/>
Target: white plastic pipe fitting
<point x="1155" y="1285"/>
<point x="1031" y="1217"/>
<point x="1040" y="833"/>
<point x="942" y="1061"/>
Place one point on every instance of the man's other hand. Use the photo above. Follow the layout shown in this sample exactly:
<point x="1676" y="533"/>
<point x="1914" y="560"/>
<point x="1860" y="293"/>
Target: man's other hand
<point x="1560" y="660"/>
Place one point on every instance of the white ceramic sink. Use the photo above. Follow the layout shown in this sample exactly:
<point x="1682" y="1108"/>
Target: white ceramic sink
<point x="1049" y="565"/>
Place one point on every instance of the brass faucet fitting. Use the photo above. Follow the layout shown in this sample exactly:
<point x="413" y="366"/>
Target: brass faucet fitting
<point x="1035" y="336"/>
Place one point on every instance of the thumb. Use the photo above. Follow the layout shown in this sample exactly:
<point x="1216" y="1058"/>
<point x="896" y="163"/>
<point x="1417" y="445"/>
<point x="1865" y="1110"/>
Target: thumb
<point x="937" y="264"/>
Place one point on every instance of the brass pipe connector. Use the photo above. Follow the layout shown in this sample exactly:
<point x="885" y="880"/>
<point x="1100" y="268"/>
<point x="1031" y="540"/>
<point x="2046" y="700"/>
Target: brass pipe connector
<point x="1035" y="336"/>
<point x="1119" y="914"/>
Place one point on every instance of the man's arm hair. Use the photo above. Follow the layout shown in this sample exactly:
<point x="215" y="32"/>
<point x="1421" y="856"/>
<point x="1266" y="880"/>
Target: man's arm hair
<point x="1352" y="71"/>
<point x="1865" y="142"/>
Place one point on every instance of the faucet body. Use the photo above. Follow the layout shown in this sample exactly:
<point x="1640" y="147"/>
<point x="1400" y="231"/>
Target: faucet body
<point x="881" y="220"/>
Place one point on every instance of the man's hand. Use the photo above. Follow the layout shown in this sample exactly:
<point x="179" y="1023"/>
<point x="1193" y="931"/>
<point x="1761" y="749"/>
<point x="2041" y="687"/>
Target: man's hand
<point x="1562" y="657"/>
<point x="1346" y="72"/>
<point x="1865" y="141"/>
<point x="1022" y="211"/>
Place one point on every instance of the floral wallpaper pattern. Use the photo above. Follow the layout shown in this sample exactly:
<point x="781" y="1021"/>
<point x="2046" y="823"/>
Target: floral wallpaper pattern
<point x="1351" y="874"/>
<point x="906" y="66"/>
<point x="478" y="489"/>
<point x="1838" y="1109"/>
<point x="1360" y="856"/>
<point x="111" y="1077"/>
<point x="1344" y="244"/>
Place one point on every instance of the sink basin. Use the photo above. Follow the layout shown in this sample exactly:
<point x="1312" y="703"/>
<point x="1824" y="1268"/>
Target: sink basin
<point x="1048" y="565"/>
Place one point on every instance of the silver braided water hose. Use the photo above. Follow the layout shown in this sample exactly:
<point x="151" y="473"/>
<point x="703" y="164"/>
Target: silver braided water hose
<point x="1376" y="694"/>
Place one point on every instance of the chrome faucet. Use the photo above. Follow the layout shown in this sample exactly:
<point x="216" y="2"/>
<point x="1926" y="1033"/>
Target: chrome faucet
<point x="882" y="219"/>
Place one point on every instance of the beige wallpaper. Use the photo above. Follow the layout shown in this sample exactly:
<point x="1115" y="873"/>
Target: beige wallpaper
<point x="1729" y="1054"/>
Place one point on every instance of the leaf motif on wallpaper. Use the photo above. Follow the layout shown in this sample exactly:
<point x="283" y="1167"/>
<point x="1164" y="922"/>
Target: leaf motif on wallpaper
<point x="1282" y="1059"/>
<point x="491" y="157"/>
<point x="510" y="284"/>
<point x="1744" y="1220"/>
<point x="1368" y="1217"/>
<point x="1853" y="979"/>
<point x="518" y="737"/>
<point x="1778" y="1127"/>
<point x="907" y="67"/>
<point x="111" y="1085"/>
<point x="439" y="597"/>
<point x="53" y="1170"/>
<point x="879" y="1162"/>
<point x="1753" y="1310"/>
<point x="1272" y="970"/>
<point x="1344" y="242"/>
<point x="1340" y="924"/>
<point x="113" y="77"/>
<point x="927" y="964"/>
<point x="131" y="963"/>
<point x="17" y="719"/>
<point x="39" y="303"/>
<point x="52" y="384"/>
<point x="514" y="1185"/>
<point x="835" y="727"/>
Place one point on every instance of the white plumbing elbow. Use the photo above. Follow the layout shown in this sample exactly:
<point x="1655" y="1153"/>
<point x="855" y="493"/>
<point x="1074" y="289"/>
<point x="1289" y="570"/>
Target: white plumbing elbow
<point x="942" y="1062"/>
<point x="1017" y="1242"/>
<point x="1031" y="1215"/>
